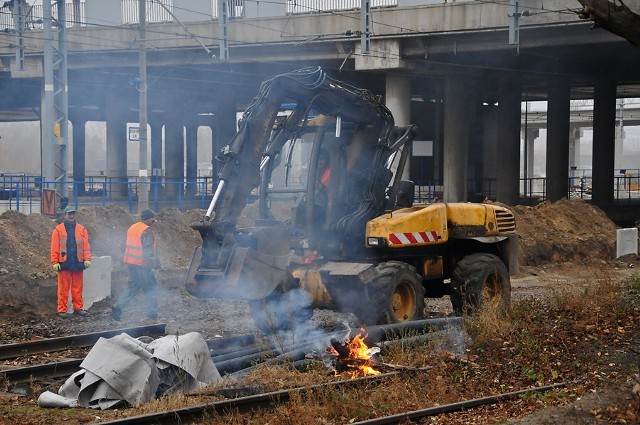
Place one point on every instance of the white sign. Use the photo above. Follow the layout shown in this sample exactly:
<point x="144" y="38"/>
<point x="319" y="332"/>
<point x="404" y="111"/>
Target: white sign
<point x="423" y="148"/>
<point x="134" y="134"/>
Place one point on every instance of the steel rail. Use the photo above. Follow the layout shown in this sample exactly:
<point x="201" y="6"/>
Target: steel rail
<point x="454" y="407"/>
<point x="21" y="375"/>
<point x="237" y="404"/>
<point x="11" y="351"/>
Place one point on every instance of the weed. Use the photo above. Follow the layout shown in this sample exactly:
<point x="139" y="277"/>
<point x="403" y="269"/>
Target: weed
<point x="634" y="284"/>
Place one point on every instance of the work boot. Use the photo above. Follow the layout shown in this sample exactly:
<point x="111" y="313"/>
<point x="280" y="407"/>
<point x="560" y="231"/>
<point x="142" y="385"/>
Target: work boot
<point x="80" y="313"/>
<point x="63" y="314"/>
<point x="116" y="313"/>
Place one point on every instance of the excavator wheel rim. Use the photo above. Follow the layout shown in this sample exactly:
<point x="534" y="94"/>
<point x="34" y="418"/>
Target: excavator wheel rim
<point x="491" y="291"/>
<point x="403" y="301"/>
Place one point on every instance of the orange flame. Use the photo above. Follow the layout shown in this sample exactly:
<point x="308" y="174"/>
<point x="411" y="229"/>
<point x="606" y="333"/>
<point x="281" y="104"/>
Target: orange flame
<point x="359" y="350"/>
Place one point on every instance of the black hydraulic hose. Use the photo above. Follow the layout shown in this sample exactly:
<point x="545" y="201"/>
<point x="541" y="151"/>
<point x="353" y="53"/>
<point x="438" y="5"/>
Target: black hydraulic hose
<point x="231" y="341"/>
<point x="288" y="357"/>
<point x="229" y="350"/>
<point x="241" y="353"/>
<point x="295" y="352"/>
<point x="381" y="332"/>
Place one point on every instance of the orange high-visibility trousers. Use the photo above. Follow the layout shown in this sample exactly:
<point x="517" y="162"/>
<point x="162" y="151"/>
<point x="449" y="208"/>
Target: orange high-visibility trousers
<point x="68" y="279"/>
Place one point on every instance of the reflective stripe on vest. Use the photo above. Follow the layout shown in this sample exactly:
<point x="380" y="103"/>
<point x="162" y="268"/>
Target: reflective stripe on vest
<point x="62" y="242"/>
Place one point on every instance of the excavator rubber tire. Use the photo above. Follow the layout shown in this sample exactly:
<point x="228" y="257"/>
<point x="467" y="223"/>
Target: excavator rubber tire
<point x="395" y="294"/>
<point x="480" y="280"/>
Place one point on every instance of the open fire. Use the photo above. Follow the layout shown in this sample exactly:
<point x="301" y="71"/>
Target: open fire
<point x="354" y="357"/>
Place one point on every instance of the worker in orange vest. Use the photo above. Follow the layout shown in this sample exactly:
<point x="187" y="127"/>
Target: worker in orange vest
<point x="141" y="257"/>
<point x="70" y="256"/>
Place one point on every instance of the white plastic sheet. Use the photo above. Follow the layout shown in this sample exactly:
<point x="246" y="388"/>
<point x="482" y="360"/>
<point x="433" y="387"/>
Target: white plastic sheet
<point x="123" y="369"/>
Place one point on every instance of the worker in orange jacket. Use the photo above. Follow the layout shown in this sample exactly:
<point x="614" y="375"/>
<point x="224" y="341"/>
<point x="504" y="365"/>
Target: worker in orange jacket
<point x="141" y="257"/>
<point x="70" y="256"/>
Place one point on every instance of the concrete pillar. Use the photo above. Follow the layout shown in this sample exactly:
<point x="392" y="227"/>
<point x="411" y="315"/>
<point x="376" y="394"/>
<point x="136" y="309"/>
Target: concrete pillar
<point x="398" y="100"/>
<point x="78" y="153"/>
<point x="174" y="157"/>
<point x="619" y="142"/>
<point x="531" y="134"/>
<point x="156" y="150"/>
<point x="116" y="144"/>
<point x="574" y="147"/>
<point x="604" y="136"/>
<point x="456" y="138"/>
<point x="508" y="170"/>
<point x="558" y="120"/>
<point x="490" y="155"/>
<point x="438" y="137"/>
<point x="192" y="159"/>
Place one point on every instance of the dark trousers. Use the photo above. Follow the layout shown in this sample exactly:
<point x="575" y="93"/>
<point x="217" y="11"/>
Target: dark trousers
<point x="140" y="278"/>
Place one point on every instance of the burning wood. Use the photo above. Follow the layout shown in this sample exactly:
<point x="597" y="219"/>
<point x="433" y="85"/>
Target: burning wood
<point x="354" y="356"/>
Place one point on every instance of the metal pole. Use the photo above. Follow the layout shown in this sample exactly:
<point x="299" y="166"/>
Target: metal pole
<point x="526" y="146"/>
<point x="143" y="187"/>
<point x="365" y="26"/>
<point x="49" y="147"/>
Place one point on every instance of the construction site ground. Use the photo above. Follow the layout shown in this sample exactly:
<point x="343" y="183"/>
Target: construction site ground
<point x="563" y="245"/>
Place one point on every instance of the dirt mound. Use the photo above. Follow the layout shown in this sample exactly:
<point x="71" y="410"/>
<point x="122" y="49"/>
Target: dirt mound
<point x="25" y="240"/>
<point x="564" y="231"/>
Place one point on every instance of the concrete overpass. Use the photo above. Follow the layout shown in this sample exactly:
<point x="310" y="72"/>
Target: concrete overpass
<point x="456" y="57"/>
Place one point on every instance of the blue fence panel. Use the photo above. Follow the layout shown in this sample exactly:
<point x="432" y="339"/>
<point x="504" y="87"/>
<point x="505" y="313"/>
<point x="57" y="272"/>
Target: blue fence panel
<point x="24" y="193"/>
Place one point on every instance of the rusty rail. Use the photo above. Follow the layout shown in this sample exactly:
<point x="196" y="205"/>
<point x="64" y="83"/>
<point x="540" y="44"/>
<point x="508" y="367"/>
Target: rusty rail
<point x="241" y="404"/>
<point x="48" y="345"/>
<point x="454" y="407"/>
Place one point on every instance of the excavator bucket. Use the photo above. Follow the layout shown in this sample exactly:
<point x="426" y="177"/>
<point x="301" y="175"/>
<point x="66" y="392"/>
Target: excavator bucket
<point x="255" y="263"/>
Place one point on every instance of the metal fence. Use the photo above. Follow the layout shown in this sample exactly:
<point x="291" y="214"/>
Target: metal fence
<point x="160" y="11"/>
<point x="315" y="6"/>
<point x="75" y="15"/>
<point x="157" y="11"/>
<point x="24" y="193"/>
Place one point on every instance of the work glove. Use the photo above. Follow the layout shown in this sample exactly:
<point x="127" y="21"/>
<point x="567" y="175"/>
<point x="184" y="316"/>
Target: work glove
<point x="56" y="267"/>
<point x="87" y="264"/>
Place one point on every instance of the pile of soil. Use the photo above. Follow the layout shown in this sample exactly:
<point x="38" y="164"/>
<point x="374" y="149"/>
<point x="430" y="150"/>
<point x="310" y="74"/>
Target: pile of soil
<point x="564" y="231"/>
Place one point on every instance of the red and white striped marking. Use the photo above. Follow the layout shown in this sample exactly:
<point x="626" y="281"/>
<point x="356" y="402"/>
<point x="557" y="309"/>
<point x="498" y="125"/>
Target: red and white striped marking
<point x="413" y="238"/>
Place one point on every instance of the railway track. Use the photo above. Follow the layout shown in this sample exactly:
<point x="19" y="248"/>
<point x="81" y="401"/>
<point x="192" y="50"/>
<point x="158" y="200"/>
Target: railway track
<point x="48" y="345"/>
<point x="224" y="348"/>
<point x="65" y="368"/>
<point x="268" y="400"/>
<point x="229" y="353"/>
<point x="241" y="404"/>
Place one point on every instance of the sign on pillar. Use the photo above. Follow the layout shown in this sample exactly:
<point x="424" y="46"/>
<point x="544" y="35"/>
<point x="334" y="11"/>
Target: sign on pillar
<point x="49" y="202"/>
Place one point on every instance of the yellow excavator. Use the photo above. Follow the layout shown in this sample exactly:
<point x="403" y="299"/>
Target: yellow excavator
<point x="318" y="164"/>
